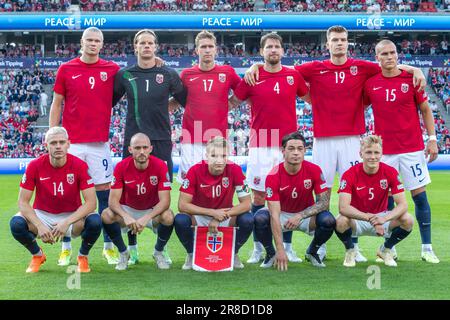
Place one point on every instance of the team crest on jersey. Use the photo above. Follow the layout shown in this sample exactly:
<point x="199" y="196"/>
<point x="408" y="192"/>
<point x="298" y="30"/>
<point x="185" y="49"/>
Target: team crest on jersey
<point x="159" y="78"/>
<point x="269" y="192"/>
<point x="185" y="184"/>
<point x="222" y="77"/>
<point x="70" y="178"/>
<point x="168" y="176"/>
<point x="353" y="70"/>
<point x="183" y="175"/>
<point x="225" y="182"/>
<point x="290" y="80"/>
<point x="257" y="180"/>
<point x="405" y="87"/>
<point x="214" y="241"/>
<point x="24" y="178"/>
<point x="343" y="184"/>
<point x="113" y="182"/>
<point x="383" y="184"/>
<point x="307" y="183"/>
<point x="154" y="180"/>
<point x="103" y="75"/>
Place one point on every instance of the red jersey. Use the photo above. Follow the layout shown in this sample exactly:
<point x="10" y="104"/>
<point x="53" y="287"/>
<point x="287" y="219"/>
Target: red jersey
<point x="207" y="102"/>
<point x="140" y="187"/>
<point x="88" y="96"/>
<point x="337" y="95"/>
<point x="394" y="103"/>
<point x="57" y="189"/>
<point x="273" y="101"/>
<point x="370" y="192"/>
<point x="295" y="192"/>
<point x="214" y="192"/>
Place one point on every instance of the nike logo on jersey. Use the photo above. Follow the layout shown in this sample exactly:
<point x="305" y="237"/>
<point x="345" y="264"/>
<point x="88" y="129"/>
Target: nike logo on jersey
<point x="422" y="179"/>
<point x="192" y="79"/>
<point x="74" y="77"/>
<point x="376" y="88"/>
<point x="204" y="185"/>
<point x="260" y="82"/>
<point x="42" y="179"/>
<point x="359" y="188"/>
<point x="128" y="182"/>
<point x="131" y="79"/>
<point x="284" y="188"/>
<point x="324" y="71"/>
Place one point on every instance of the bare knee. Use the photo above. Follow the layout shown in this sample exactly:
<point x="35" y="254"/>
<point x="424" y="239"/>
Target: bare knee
<point x="108" y="216"/>
<point x="406" y="221"/>
<point x="342" y="224"/>
<point x="167" y="218"/>
<point x="259" y="198"/>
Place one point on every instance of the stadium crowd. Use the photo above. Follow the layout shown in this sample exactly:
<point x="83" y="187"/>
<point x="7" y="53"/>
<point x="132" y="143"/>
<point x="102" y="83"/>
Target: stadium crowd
<point x="123" y="48"/>
<point x="371" y="6"/>
<point x="20" y="98"/>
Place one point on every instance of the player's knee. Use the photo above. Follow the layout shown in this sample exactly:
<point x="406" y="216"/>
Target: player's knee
<point x="182" y="221"/>
<point x="259" y="198"/>
<point x="18" y="225"/>
<point x="167" y="218"/>
<point x="407" y="221"/>
<point x="246" y="221"/>
<point x="107" y="216"/>
<point x="342" y="224"/>
<point x="93" y="224"/>
<point x="326" y="220"/>
<point x="262" y="218"/>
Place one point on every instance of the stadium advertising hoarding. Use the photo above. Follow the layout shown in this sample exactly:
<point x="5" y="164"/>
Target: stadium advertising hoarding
<point x="18" y="165"/>
<point x="270" y="21"/>
<point x="235" y="62"/>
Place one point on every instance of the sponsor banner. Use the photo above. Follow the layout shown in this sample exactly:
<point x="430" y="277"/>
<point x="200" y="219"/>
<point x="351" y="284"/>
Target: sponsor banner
<point x="77" y="20"/>
<point x="18" y="165"/>
<point x="235" y="62"/>
<point x="213" y="252"/>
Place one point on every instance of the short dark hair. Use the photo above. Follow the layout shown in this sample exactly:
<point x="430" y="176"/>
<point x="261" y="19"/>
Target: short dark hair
<point x="293" y="136"/>
<point x="272" y="35"/>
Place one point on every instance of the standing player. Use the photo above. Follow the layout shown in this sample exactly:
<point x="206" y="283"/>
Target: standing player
<point x="206" y="199"/>
<point x="206" y="110"/>
<point x="58" y="178"/>
<point x="363" y="200"/>
<point x="289" y="192"/>
<point x="85" y="85"/>
<point x="394" y="102"/>
<point x="339" y="114"/>
<point x="140" y="198"/>
<point x="148" y="88"/>
<point x="273" y="109"/>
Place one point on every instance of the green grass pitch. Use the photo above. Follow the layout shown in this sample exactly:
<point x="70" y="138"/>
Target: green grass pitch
<point x="412" y="279"/>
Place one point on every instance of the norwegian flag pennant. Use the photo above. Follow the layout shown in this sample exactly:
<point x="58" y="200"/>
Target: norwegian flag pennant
<point x="213" y="252"/>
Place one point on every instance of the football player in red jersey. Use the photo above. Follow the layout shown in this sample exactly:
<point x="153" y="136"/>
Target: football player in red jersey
<point x="85" y="85"/>
<point x="395" y="102"/>
<point x="206" y="199"/>
<point x="140" y="198"/>
<point x="57" y="211"/>
<point x="363" y="204"/>
<point x="206" y="110"/>
<point x="290" y="190"/>
<point x="338" y="115"/>
<point x="273" y="115"/>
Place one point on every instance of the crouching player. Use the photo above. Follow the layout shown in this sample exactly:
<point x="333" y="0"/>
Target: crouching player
<point x="58" y="178"/>
<point x="140" y="198"/>
<point x="206" y="199"/>
<point x="289" y="194"/>
<point x="363" y="201"/>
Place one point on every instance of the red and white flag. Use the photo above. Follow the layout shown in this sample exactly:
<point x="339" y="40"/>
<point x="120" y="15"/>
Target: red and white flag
<point x="214" y="251"/>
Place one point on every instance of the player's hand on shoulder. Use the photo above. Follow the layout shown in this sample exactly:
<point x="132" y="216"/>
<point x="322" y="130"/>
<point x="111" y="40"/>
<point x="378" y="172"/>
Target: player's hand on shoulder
<point x="252" y="75"/>
<point x="281" y="260"/>
<point x="159" y="62"/>
<point x="213" y="226"/>
<point x="419" y="80"/>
